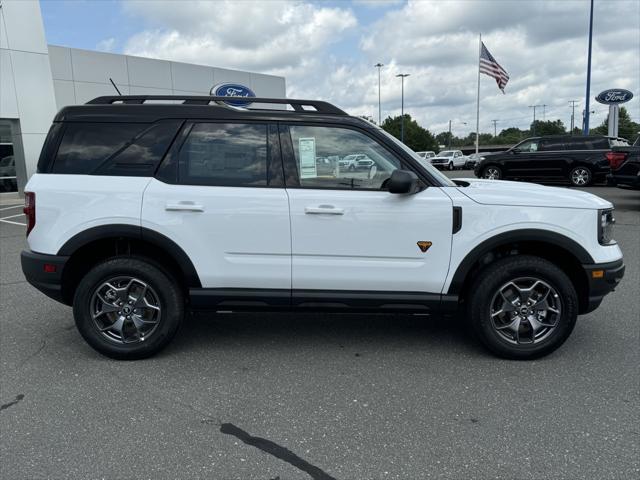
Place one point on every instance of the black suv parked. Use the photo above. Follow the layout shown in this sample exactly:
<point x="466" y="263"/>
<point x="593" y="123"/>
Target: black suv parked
<point x="580" y="160"/>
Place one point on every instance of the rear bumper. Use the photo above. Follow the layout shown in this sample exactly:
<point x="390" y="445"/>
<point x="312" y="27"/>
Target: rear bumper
<point x="602" y="278"/>
<point x="630" y="180"/>
<point x="44" y="272"/>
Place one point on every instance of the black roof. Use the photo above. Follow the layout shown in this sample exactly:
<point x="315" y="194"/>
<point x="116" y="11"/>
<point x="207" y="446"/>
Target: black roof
<point x="150" y="108"/>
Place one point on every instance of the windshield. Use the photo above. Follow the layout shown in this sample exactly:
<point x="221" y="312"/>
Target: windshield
<point x="446" y="153"/>
<point x="433" y="171"/>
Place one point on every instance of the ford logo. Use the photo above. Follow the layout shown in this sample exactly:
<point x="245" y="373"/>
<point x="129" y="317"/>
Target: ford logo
<point x="233" y="90"/>
<point x="614" y="95"/>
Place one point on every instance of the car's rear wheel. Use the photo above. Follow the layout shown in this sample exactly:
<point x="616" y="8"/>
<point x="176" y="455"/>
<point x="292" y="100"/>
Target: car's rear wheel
<point x="580" y="177"/>
<point x="128" y="308"/>
<point x="492" y="172"/>
<point x="522" y="307"/>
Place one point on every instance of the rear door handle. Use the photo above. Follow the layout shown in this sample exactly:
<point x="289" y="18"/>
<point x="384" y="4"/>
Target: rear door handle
<point x="184" y="206"/>
<point x="324" y="210"/>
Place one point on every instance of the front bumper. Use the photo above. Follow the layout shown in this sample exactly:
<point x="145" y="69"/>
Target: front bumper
<point x="602" y="278"/>
<point x="44" y="272"/>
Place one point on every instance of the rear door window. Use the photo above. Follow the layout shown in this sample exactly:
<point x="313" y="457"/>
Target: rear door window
<point x="551" y="144"/>
<point x="85" y="146"/>
<point x="225" y="154"/>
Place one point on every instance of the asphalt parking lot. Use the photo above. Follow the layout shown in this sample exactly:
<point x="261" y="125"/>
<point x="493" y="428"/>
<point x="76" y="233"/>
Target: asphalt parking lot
<point x="257" y="396"/>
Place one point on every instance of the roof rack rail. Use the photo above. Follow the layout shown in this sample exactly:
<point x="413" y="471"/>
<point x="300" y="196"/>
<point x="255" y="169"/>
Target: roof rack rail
<point x="312" y="106"/>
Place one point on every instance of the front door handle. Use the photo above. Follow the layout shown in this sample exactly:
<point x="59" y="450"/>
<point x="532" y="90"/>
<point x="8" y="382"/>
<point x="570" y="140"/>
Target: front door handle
<point x="324" y="210"/>
<point x="184" y="206"/>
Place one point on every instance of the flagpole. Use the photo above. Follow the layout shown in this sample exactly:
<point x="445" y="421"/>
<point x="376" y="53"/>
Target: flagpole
<point x="478" y="98"/>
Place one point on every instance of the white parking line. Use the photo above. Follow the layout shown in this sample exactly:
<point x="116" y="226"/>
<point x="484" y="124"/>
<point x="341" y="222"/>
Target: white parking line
<point x="12" y="216"/>
<point x="13" y="206"/>
<point x="12" y="223"/>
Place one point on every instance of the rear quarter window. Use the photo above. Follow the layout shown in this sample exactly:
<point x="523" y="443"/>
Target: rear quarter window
<point x="587" y="143"/>
<point x="85" y="146"/>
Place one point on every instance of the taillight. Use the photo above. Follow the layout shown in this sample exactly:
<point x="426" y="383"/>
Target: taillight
<point x="616" y="159"/>
<point x="30" y="210"/>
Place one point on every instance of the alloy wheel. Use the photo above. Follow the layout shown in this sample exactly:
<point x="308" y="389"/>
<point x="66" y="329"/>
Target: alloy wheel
<point x="580" y="176"/>
<point x="525" y="310"/>
<point x="492" y="173"/>
<point x="125" y="310"/>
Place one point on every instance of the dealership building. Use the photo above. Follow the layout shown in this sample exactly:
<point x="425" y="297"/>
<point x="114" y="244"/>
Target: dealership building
<point x="37" y="80"/>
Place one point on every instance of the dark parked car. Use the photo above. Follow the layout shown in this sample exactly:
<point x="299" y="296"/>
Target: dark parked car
<point x="625" y="166"/>
<point x="581" y="160"/>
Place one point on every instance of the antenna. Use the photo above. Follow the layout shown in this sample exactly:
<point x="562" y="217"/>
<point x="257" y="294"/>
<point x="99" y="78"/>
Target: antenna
<point x="114" y="86"/>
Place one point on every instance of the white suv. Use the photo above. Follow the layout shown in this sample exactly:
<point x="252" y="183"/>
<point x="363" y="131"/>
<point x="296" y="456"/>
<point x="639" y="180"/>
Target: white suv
<point x="142" y="211"/>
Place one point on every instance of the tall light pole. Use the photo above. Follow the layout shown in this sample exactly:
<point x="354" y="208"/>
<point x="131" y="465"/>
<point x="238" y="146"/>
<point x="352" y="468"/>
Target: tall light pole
<point x="379" y="66"/>
<point x="495" y="131"/>
<point x="585" y="130"/>
<point x="573" y="114"/>
<point x="402" y="77"/>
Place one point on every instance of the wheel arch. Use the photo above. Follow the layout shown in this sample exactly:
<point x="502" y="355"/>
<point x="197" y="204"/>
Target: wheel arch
<point x="557" y="248"/>
<point x="86" y="248"/>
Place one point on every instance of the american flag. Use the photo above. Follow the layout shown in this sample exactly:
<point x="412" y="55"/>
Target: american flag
<point x="489" y="66"/>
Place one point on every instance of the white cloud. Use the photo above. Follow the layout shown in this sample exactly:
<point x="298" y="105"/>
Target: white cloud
<point x="262" y="36"/>
<point x="324" y="53"/>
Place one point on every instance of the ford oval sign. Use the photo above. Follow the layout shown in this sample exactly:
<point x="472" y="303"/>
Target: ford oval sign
<point x="614" y="95"/>
<point x="233" y="90"/>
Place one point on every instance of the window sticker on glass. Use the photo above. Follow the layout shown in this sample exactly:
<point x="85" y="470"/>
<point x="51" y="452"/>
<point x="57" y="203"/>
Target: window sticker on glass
<point x="307" y="153"/>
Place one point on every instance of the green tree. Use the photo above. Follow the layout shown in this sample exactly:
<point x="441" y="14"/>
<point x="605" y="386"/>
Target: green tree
<point x="548" y="127"/>
<point x="415" y="137"/>
<point x="511" y="136"/>
<point x="443" y="138"/>
<point x="627" y="128"/>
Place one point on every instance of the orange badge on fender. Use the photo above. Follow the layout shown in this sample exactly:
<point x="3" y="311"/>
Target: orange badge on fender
<point x="424" y="246"/>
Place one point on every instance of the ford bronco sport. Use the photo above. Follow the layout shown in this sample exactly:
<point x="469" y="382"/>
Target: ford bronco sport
<point x="142" y="210"/>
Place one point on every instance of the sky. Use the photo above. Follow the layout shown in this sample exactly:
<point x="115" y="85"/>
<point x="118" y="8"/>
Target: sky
<point x="327" y="50"/>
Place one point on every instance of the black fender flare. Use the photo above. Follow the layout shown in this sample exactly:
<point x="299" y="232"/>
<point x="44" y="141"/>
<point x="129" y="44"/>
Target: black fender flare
<point x="137" y="233"/>
<point x="515" y="236"/>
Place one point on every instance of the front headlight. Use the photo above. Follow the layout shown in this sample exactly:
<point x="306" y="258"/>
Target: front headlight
<point x="606" y="221"/>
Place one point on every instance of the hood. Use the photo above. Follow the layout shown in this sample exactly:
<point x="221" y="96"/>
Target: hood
<point x="503" y="192"/>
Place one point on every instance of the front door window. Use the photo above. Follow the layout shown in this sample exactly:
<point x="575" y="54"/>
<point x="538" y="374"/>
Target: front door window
<point x="340" y="158"/>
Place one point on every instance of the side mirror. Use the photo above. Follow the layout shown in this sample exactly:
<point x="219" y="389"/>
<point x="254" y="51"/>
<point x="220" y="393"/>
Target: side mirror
<point x="402" y="181"/>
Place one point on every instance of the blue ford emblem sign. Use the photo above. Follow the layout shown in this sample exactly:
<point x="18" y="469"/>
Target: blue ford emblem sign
<point x="233" y="90"/>
<point x="614" y="95"/>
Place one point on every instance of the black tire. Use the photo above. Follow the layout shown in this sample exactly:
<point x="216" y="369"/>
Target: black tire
<point x="450" y="166"/>
<point x="352" y="168"/>
<point x="161" y="284"/>
<point x="492" y="171"/>
<point x="581" y="176"/>
<point x="487" y="287"/>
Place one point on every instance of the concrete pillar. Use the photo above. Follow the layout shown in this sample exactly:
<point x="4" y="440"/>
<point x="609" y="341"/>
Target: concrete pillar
<point x="27" y="96"/>
<point x="614" y="116"/>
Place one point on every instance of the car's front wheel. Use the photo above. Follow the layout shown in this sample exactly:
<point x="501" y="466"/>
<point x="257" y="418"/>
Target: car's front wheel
<point x="522" y="307"/>
<point x="450" y="166"/>
<point x="128" y="308"/>
<point x="492" y="172"/>
<point x="580" y="177"/>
